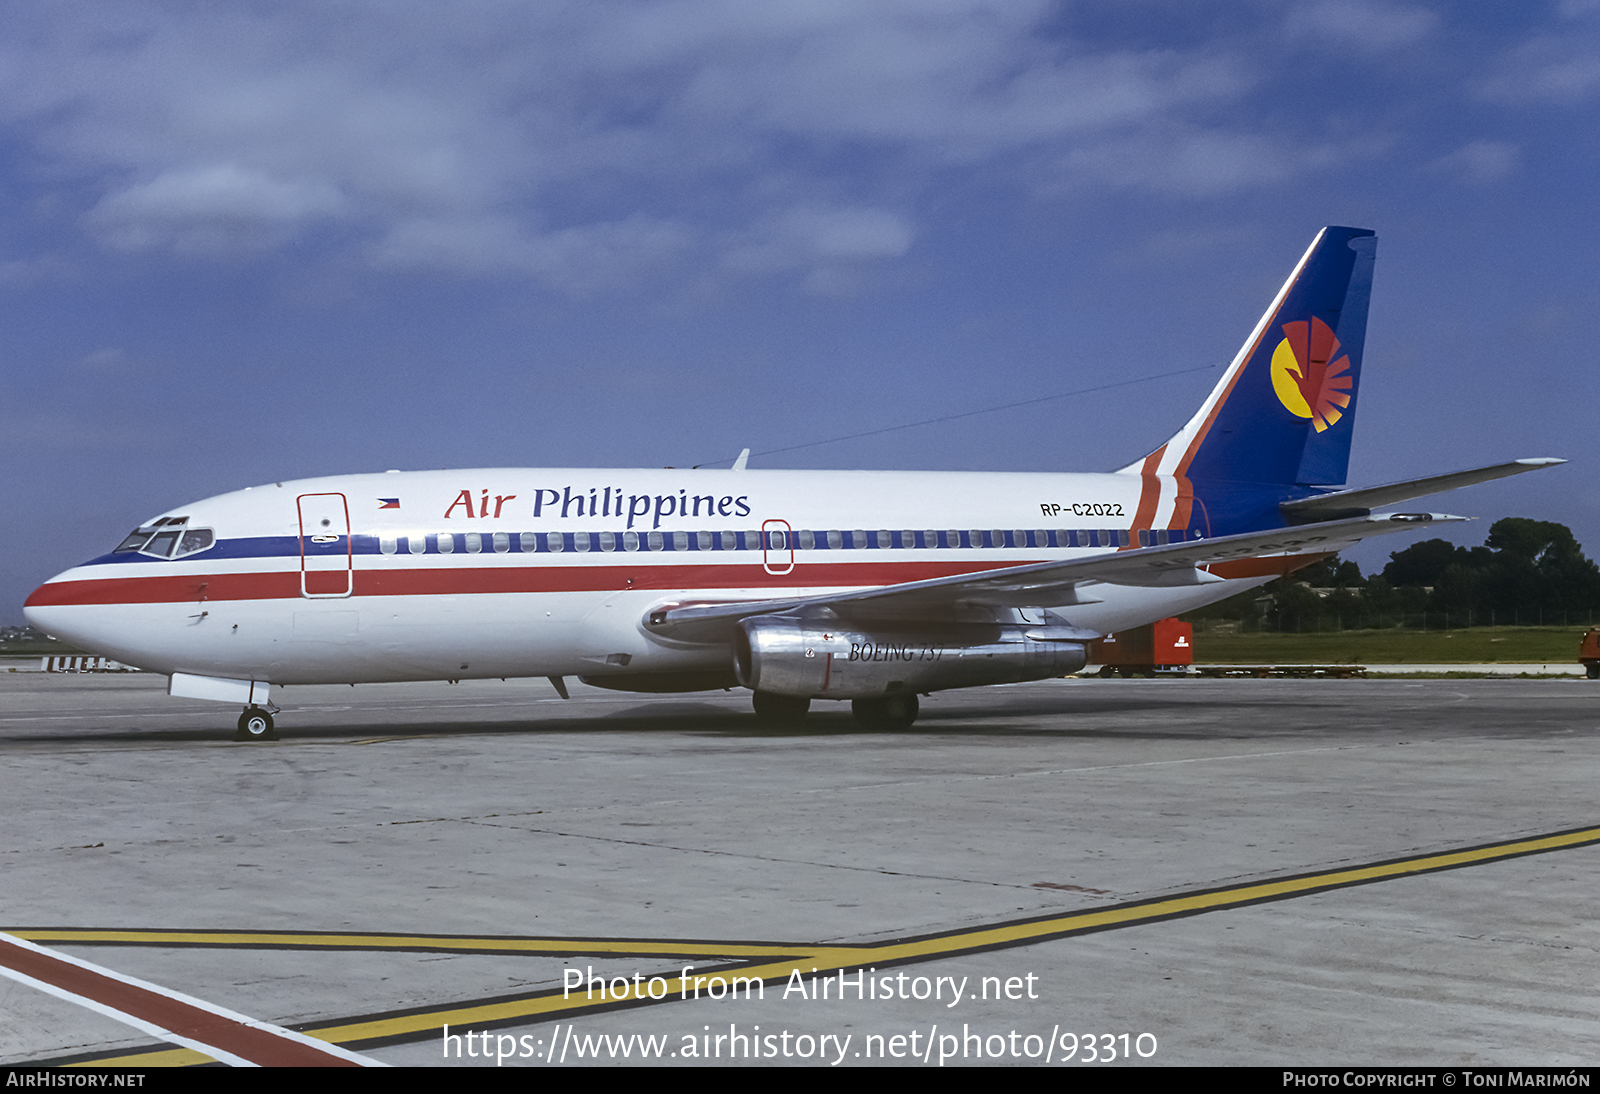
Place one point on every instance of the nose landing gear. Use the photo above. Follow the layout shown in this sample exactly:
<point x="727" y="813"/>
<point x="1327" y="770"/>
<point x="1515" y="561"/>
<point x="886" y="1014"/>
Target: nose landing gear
<point x="255" y="724"/>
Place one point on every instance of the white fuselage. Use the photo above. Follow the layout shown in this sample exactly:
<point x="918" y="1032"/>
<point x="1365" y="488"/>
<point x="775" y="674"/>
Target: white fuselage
<point x="515" y="572"/>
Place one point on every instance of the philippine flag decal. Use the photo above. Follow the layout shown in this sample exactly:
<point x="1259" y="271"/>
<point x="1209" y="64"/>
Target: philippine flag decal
<point x="388" y="503"/>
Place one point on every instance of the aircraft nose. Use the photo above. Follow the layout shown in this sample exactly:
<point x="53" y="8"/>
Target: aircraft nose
<point x="59" y="608"/>
<point x="41" y="597"/>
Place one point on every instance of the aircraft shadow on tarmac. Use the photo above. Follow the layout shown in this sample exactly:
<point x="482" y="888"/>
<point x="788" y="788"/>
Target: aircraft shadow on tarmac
<point x="1123" y="717"/>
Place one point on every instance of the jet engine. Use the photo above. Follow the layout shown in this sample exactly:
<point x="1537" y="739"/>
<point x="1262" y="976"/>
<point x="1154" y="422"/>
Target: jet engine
<point x="829" y="659"/>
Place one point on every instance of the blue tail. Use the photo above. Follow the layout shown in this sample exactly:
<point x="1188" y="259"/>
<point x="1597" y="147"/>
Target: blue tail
<point x="1279" y="421"/>
<point x="1285" y="410"/>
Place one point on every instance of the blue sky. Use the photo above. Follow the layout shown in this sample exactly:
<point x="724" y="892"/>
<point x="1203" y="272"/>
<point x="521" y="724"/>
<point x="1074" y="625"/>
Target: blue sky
<point x="244" y="243"/>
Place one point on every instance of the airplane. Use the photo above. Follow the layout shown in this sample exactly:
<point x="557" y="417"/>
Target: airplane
<point x="869" y="586"/>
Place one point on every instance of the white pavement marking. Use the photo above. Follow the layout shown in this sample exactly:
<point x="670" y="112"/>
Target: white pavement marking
<point x="253" y="1043"/>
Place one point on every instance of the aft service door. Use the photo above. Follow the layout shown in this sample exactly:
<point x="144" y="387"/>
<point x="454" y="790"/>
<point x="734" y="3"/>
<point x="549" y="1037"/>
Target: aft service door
<point x="326" y="557"/>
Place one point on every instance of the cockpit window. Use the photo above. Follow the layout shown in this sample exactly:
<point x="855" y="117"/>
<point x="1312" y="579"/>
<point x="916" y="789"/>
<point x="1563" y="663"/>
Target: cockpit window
<point x="162" y="543"/>
<point x="195" y="539"/>
<point x="167" y="538"/>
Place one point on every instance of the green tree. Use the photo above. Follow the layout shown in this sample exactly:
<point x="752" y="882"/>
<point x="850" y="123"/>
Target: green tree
<point x="1524" y="567"/>
<point x="1538" y="541"/>
<point x="1331" y="573"/>
<point x="1539" y="563"/>
<point x="1424" y="563"/>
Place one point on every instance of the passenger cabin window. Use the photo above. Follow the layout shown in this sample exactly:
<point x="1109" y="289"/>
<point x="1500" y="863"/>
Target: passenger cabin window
<point x="157" y="539"/>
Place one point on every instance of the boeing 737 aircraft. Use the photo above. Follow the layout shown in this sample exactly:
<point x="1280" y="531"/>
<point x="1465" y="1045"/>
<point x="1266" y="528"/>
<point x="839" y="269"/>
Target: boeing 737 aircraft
<point x="799" y="585"/>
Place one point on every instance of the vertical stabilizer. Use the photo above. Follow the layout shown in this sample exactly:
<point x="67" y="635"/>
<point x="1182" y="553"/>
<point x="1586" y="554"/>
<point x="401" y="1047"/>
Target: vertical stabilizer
<point x="1282" y="414"/>
<point x="1326" y="459"/>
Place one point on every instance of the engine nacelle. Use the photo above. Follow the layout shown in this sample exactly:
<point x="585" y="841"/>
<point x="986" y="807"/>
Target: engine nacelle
<point x="820" y="659"/>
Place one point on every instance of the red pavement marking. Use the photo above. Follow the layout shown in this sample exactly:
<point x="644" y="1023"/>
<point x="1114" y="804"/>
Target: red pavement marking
<point x="259" y="1046"/>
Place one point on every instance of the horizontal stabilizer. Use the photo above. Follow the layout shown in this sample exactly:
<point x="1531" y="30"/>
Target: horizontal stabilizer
<point x="1356" y="503"/>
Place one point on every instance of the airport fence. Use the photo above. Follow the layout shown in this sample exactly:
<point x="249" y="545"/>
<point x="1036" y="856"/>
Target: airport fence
<point x="1326" y="622"/>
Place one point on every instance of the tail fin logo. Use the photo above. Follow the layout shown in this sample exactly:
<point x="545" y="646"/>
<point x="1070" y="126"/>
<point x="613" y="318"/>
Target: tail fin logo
<point x="1306" y="383"/>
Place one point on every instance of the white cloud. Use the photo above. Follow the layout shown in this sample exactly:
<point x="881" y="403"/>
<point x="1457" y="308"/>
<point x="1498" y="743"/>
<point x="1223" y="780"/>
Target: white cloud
<point x="453" y="137"/>
<point x="1564" y="70"/>
<point x="213" y="207"/>
<point x="1480" y="162"/>
<point x="35" y="269"/>
<point x="108" y="358"/>
<point x="851" y="234"/>
<point x="1365" y="25"/>
<point x="1182" y="160"/>
<point x="834" y="246"/>
<point x="809" y="235"/>
<point x="578" y="259"/>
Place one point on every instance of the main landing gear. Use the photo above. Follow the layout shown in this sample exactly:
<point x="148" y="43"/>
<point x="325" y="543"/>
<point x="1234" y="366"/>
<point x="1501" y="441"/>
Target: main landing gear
<point x="883" y="714"/>
<point x="780" y="709"/>
<point x="888" y="713"/>
<point x="255" y="724"/>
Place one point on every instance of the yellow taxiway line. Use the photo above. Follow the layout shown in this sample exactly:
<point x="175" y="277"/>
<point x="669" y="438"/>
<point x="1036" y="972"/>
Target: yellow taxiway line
<point x="746" y="959"/>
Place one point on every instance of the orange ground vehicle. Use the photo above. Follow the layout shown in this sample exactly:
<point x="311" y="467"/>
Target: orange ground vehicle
<point x="1589" y="653"/>
<point x="1165" y="646"/>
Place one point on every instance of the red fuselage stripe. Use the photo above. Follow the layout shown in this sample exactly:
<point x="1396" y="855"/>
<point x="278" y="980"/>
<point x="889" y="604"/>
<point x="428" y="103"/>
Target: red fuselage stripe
<point x="455" y="581"/>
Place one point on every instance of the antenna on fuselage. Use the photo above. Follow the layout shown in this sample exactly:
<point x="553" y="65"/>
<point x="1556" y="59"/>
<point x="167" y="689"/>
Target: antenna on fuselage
<point x="744" y="457"/>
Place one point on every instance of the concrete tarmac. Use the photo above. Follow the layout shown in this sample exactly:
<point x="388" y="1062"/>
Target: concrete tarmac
<point x="534" y="832"/>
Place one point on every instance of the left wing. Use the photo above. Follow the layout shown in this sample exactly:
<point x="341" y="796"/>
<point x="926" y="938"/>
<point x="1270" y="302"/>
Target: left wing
<point x="1045" y="584"/>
